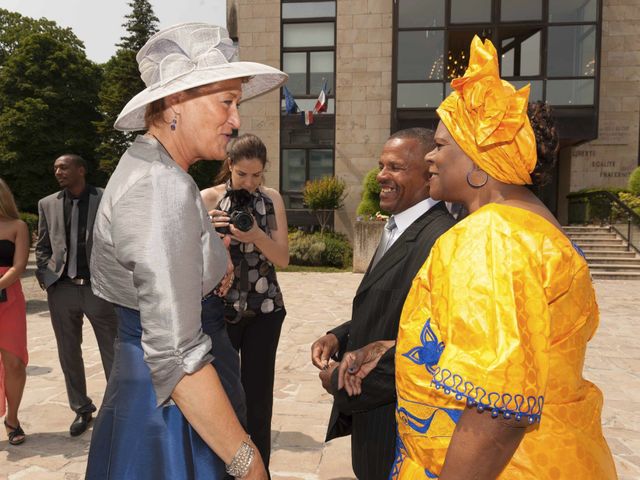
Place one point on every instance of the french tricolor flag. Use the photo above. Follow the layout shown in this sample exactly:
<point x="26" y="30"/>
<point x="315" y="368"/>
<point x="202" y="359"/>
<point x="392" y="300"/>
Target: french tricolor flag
<point x="321" y="103"/>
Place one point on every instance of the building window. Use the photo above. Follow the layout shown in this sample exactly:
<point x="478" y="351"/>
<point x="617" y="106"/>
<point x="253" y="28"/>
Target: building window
<point x="308" y="57"/>
<point x="551" y="44"/>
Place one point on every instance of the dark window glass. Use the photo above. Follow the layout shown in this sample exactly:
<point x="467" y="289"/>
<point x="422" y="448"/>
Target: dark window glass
<point x="420" y="13"/>
<point x="420" y="55"/>
<point x="571" y="51"/>
<point x="470" y="11"/>
<point x="419" y="95"/>
<point x="320" y="164"/>
<point x="308" y="9"/>
<point x="308" y="34"/>
<point x="514" y="10"/>
<point x="570" y="92"/>
<point x="309" y="103"/>
<point x="458" y="54"/>
<point x="294" y="173"/>
<point x="520" y="52"/>
<point x="535" y="93"/>
<point x="573" y="10"/>
<point x="295" y="64"/>
<point x="321" y="70"/>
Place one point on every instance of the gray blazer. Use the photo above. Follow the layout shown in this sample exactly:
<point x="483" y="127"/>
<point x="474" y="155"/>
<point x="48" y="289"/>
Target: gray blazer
<point x="156" y="252"/>
<point x="51" y="248"/>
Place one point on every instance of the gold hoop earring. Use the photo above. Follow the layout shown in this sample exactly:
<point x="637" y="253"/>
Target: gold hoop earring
<point x="477" y="184"/>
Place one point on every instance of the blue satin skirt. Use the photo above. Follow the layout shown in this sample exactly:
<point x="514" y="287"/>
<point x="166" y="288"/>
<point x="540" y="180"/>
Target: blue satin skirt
<point x="135" y="440"/>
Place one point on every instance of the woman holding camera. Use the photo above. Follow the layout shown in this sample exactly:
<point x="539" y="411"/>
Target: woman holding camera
<point x="254" y="217"/>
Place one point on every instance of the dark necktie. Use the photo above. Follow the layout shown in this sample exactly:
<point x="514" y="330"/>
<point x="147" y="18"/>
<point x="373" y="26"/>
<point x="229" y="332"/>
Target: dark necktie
<point x="72" y="267"/>
<point x="385" y="241"/>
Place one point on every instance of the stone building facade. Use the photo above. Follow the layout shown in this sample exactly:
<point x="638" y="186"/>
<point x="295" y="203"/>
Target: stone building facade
<point x="369" y="82"/>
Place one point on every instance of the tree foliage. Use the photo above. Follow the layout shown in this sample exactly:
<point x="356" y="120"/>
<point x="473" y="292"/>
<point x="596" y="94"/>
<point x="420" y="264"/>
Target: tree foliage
<point x="121" y="82"/>
<point x="323" y="196"/>
<point x="634" y="182"/>
<point x="48" y="99"/>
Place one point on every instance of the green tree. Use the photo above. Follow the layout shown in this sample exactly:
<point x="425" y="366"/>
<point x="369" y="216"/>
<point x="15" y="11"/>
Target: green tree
<point x="323" y="196"/>
<point x="14" y="28"/>
<point x="121" y="82"/>
<point x="48" y="98"/>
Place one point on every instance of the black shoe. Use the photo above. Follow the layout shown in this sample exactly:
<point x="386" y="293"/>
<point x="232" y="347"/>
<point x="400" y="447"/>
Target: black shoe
<point x="80" y="424"/>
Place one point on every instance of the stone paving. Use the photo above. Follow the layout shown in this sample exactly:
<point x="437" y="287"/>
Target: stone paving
<point x="315" y="302"/>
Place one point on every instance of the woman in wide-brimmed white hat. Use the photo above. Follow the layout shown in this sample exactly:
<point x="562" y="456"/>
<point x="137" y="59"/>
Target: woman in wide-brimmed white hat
<point x="172" y="402"/>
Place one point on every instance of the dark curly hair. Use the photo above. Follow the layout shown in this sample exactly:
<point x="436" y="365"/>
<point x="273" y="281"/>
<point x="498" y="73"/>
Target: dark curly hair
<point x="547" y="141"/>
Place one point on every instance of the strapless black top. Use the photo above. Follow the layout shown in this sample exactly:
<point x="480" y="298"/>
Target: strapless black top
<point x="7" y="249"/>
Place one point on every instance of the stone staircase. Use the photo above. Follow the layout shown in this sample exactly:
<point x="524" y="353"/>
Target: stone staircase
<point x="606" y="253"/>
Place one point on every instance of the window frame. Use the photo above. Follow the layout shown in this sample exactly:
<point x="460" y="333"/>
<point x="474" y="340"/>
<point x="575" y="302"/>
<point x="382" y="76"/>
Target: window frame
<point x="494" y="26"/>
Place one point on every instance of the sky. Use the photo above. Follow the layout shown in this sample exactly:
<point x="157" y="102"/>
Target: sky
<point x="98" y="23"/>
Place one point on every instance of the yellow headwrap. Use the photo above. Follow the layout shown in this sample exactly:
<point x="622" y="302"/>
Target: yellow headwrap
<point x="487" y="117"/>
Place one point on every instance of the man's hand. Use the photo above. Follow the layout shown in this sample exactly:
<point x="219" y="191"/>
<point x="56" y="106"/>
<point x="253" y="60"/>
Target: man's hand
<point x="358" y="364"/>
<point x="325" y="377"/>
<point x="323" y="349"/>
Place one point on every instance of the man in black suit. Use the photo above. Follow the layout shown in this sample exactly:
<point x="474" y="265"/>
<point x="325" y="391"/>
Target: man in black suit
<point x="416" y="222"/>
<point x="63" y="250"/>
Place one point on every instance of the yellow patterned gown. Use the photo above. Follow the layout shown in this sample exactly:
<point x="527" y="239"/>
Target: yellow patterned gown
<point x="499" y="317"/>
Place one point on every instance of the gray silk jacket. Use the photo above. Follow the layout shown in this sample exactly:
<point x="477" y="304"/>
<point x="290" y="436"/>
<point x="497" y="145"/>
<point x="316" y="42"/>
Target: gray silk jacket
<point x="155" y="250"/>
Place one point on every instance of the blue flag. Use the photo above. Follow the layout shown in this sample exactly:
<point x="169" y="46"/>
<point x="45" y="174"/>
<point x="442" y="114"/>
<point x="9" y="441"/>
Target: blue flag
<point x="290" y="104"/>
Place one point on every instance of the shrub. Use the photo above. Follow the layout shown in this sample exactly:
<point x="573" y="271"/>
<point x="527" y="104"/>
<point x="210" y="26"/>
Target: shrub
<point x="323" y="196"/>
<point x="318" y="249"/>
<point x="632" y="201"/>
<point x="31" y="220"/>
<point x="634" y="182"/>
<point x="370" y="203"/>
<point x="338" y="251"/>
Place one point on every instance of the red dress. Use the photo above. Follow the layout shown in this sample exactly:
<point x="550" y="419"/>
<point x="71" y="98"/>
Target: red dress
<point x="13" y="319"/>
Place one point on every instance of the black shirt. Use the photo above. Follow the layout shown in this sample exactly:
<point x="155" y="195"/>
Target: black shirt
<point x="83" y="212"/>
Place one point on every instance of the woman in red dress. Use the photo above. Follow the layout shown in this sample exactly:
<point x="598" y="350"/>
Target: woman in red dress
<point x="14" y="251"/>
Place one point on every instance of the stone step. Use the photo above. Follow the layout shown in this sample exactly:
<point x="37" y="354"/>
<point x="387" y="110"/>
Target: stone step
<point x="612" y="253"/>
<point x="595" y="235"/>
<point x="613" y="260"/>
<point x="614" y="267"/>
<point x="604" y="248"/>
<point x="606" y="275"/>
<point x="577" y="229"/>
<point x="600" y="243"/>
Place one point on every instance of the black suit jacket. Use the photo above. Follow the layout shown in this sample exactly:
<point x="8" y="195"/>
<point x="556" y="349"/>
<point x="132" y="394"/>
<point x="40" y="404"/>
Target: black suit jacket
<point x="370" y="416"/>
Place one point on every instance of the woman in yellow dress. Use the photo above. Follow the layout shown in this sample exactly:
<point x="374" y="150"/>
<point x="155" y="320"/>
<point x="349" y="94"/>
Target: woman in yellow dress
<point x="493" y="333"/>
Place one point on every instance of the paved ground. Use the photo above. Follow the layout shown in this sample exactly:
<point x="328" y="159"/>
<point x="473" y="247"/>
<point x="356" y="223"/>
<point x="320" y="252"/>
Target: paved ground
<point x="315" y="301"/>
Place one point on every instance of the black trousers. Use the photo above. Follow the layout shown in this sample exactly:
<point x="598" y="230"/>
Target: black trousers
<point x="67" y="305"/>
<point x="257" y="341"/>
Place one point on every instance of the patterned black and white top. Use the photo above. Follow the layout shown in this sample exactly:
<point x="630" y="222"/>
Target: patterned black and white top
<point x="255" y="288"/>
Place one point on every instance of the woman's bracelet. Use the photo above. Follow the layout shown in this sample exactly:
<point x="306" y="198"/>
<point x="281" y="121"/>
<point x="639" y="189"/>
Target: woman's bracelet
<point x="241" y="461"/>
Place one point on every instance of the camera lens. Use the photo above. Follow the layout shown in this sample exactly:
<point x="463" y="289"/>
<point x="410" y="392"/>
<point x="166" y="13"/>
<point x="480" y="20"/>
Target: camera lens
<point x="243" y="221"/>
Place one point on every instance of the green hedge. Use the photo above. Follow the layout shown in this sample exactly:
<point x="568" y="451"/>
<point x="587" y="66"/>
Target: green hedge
<point x="316" y="249"/>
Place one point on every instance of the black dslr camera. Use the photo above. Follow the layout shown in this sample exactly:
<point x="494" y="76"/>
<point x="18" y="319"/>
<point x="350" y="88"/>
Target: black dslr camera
<point x="239" y="211"/>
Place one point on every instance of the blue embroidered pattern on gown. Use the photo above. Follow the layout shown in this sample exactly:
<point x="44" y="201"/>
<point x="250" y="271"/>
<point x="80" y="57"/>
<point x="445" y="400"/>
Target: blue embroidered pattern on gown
<point x="427" y="354"/>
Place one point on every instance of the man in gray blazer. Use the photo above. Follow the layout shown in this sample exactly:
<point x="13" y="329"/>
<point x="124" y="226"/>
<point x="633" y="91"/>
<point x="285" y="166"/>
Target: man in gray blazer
<point x="63" y="250"/>
<point x="414" y="226"/>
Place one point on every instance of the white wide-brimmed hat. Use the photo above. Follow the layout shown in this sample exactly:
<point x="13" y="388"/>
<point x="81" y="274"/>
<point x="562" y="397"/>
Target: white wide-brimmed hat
<point x="190" y="55"/>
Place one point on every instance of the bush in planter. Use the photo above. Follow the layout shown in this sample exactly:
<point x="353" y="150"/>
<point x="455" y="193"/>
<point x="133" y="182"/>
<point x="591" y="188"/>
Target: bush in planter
<point x="634" y="182"/>
<point x="370" y="203"/>
<point x="323" y="196"/>
<point x="316" y="249"/>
